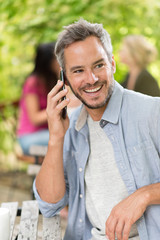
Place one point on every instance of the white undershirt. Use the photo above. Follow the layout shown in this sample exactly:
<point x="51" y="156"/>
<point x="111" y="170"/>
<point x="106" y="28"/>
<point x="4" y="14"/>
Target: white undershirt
<point x="104" y="185"/>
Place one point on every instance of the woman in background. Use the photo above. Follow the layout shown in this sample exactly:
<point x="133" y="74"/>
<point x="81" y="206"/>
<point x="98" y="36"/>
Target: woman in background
<point x="33" y="128"/>
<point x="136" y="53"/>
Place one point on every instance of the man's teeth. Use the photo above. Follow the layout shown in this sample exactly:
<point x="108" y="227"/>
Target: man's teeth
<point x="92" y="90"/>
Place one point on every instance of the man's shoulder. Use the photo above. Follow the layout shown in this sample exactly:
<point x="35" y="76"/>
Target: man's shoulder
<point x="139" y="103"/>
<point x="139" y="97"/>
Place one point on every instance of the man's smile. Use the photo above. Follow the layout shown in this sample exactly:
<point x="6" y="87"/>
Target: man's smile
<point x="93" y="90"/>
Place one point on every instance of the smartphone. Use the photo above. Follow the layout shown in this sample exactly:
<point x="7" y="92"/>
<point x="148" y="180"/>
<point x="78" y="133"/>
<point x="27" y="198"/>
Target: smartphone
<point x="62" y="78"/>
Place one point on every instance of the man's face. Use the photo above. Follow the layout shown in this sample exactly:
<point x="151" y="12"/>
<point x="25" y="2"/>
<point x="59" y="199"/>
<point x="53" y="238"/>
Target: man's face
<point x="89" y="72"/>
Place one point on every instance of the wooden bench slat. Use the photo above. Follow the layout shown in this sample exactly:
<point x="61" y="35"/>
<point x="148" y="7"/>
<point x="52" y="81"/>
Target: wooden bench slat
<point x="12" y="206"/>
<point x="29" y="221"/>
<point x="33" y="169"/>
<point x="28" y="226"/>
<point x="38" y="150"/>
<point x="52" y="228"/>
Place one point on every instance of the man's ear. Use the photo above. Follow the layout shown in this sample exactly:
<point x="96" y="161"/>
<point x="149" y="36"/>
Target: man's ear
<point x="113" y="65"/>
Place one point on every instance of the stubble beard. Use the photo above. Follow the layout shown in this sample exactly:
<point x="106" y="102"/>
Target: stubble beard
<point x="102" y="104"/>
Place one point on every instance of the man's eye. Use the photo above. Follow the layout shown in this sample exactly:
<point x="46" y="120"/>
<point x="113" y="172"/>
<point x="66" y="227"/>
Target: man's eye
<point x="99" y="65"/>
<point x="78" y="71"/>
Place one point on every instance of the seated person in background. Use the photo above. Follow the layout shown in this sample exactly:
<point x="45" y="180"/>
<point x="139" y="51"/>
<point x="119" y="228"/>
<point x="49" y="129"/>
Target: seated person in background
<point x="137" y="54"/>
<point x="33" y="127"/>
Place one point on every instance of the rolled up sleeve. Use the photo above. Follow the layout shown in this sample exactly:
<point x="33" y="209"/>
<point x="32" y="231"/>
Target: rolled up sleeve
<point x="49" y="209"/>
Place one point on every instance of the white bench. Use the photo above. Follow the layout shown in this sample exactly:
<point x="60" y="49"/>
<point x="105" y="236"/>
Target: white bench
<point x="28" y="225"/>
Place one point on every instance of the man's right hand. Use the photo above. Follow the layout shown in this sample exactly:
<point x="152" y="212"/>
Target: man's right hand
<point x="56" y="124"/>
<point x="50" y="182"/>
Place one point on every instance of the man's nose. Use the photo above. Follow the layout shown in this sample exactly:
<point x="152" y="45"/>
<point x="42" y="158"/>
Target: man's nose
<point x="91" y="77"/>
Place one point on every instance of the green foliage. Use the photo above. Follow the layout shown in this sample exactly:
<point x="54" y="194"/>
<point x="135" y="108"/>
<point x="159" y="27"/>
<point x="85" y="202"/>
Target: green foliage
<point x="24" y="24"/>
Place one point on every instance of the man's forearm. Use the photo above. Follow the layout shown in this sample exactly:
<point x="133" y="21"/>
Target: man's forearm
<point x="50" y="182"/>
<point x="130" y="209"/>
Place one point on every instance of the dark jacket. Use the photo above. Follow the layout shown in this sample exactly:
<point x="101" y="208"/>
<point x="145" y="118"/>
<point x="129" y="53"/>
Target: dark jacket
<point x="145" y="83"/>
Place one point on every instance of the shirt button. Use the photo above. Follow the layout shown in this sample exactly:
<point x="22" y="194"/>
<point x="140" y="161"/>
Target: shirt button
<point x="102" y="123"/>
<point x="72" y="154"/>
<point x="80" y="169"/>
<point x="80" y="220"/>
<point x="121" y="165"/>
<point x="81" y="196"/>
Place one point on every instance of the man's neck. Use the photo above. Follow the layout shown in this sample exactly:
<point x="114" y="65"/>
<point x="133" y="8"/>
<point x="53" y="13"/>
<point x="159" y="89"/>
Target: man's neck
<point x="96" y="114"/>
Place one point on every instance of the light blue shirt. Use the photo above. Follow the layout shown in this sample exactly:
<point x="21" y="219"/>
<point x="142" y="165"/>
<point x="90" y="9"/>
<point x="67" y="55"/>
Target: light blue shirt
<point x="132" y="123"/>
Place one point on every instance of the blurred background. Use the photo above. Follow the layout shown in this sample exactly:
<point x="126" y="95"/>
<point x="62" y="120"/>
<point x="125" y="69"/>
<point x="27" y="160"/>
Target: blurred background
<point x="25" y="24"/>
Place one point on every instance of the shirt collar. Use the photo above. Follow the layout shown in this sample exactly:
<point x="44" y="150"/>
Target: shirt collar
<point x="111" y="114"/>
<point x="81" y="119"/>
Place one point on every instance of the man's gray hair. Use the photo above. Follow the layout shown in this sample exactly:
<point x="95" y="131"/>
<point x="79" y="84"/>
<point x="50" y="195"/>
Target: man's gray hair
<point x="79" y="31"/>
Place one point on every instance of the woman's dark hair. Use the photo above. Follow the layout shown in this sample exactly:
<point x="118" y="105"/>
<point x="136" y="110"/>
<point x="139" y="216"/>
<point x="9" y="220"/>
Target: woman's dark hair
<point x="43" y="64"/>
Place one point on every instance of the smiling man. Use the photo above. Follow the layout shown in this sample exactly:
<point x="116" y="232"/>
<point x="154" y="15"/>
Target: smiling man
<point x="103" y="162"/>
<point x="91" y="79"/>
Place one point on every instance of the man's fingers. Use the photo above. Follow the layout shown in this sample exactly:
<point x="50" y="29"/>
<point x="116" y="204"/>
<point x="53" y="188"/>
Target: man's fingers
<point x="55" y="89"/>
<point x="62" y="105"/>
<point x="54" y="97"/>
<point x="60" y="95"/>
<point x="110" y="228"/>
<point x="119" y="230"/>
<point x="126" y="230"/>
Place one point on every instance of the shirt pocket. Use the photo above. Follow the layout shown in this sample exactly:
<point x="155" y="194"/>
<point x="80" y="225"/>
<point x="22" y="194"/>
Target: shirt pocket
<point x="145" y="163"/>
